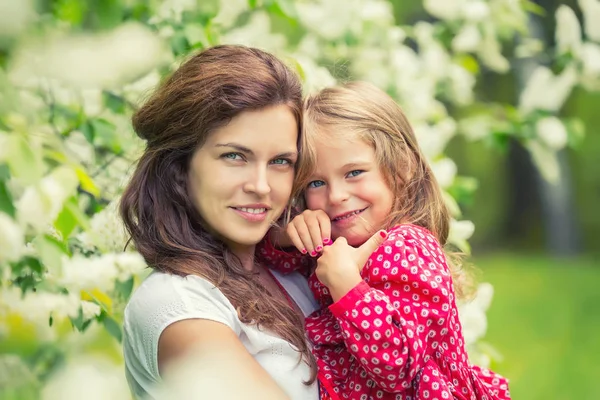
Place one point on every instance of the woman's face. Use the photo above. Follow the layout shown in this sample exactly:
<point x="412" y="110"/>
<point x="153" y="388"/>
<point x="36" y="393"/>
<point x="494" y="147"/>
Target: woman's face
<point x="241" y="178"/>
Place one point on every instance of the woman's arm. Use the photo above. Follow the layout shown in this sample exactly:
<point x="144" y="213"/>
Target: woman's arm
<point x="212" y="356"/>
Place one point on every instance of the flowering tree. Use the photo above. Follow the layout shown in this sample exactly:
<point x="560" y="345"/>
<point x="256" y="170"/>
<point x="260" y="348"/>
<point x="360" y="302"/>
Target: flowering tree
<point x="71" y="75"/>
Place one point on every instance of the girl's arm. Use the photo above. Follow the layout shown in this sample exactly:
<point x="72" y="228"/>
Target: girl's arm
<point x="287" y="260"/>
<point x="383" y="319"/>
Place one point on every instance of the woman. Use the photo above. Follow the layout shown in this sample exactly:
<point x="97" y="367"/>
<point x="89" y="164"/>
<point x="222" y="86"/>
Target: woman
<point x="222" y="139"/>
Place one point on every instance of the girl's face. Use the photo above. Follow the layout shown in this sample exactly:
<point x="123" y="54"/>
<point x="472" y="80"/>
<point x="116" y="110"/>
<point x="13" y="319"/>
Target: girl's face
<point x="350" y="187"/>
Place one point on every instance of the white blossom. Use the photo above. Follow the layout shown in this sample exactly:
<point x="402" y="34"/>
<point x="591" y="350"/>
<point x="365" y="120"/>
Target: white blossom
<point x="467" y="39"/>
<point x="90" y="309"/>
<point x="433" y="138"/>
<point x="79" y="147"/>
<point x="444" y="9"/>
<point x="552" y="132"/>
<point x="444" y="171"/>
<point x="129" y="264"/>
<point x="257" y="32"/>
<point x="92" y="61"/>
<point x="476" y="127"/>
<point x="95" y="376"/>
<point x="476" y="11"/>
<point x="107" y="232"/>
<point x="462" y="83"/>
<point x="15" y="16"/>
<point x="11" y="239"/>
<point x="229" y="11"/>
<point x="545" y="91"/>
<point x="472" y="314"/>
<point x="82" y="273"/>
<point x="590" y="56"/>
<point x="490" y="51"/>
<point x="39" y="306"/>
<point x="316" y="77"/>
<point x="460" y="230"/>
<point x="317" y="16"/>
<point x="172" y="10"/>
<point x="508" y="15"/>
<point x="545" y="159"/>
<point x="591" y="16"/>
<point x="568" y="31"/>
<point x="40" y="204"/>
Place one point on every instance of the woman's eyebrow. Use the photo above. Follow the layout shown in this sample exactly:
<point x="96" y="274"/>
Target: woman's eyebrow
<point x="236" y="146"/>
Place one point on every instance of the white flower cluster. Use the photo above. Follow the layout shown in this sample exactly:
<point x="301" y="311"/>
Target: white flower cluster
<point x="90" y="61"/>
<point x="101" y="272"/>
<point x="107" y="232"/>
<point x="40" y="204"/>
<point x="473" y="318"/>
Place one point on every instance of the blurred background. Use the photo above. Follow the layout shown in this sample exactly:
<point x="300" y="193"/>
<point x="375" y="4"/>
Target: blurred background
<point x="504" y="96"/>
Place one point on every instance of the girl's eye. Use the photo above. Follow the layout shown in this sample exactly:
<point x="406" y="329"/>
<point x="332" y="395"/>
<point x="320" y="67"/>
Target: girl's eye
<point x="315" y="184"/>
<point x="232" y="156"/>
<point x="354" y="173"/>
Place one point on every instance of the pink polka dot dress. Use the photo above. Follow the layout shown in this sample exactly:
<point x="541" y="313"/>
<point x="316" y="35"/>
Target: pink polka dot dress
<point x="396" y="335"/>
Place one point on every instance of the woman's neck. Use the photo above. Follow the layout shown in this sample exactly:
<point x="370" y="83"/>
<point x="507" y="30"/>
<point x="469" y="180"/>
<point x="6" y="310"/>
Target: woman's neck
<point x="246" y="256"/>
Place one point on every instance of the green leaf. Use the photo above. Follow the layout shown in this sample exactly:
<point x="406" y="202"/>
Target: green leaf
<point x="179" y="43"/>
<point x="70" y="217"/>
<point x="108" y="13"/>
<point x="115" y="103"/>
<point x="252" y="4"/>
<point x="78" y="321"/>
<point x="27" y="264"/>
<point x="86" y="182"/>
<point x="72" y="11"/>
<point x="285" y="8"/>
<point x="196" y="34"/>
<point x="105" y="135"/>
<point x="125" y="288"/>
<point x="23" y="161"/>
<point x="209" y="8"/>
<point x="534" y="8"/>
<point x="51" y="252"/>
<point x="88" y="131"/>
<point x="576" y="129"/>
<point x="112" y="327"/>
<point x="6" y="200"/>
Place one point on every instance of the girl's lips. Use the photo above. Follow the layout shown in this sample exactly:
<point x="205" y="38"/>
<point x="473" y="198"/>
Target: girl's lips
<point x="347" y="218"/>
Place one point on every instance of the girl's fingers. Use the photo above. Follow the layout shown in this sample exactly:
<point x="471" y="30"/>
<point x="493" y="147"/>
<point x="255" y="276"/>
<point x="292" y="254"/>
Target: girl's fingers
<point x="316" y="235"/>
<point x="295" y="238"/>
<point x="325" y="226"/>
<point x="304" y="235"/>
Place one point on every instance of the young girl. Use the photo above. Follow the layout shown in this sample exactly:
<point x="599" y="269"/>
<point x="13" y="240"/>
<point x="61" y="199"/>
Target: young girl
<point x="388" y="327"/>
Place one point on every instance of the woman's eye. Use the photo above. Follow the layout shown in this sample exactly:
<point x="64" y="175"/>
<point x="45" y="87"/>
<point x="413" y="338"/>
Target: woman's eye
<point x="282" y="161"/>
<point x="356" y="172"/>
<point x="232" y="156"/>
<point x="315" y="184"/>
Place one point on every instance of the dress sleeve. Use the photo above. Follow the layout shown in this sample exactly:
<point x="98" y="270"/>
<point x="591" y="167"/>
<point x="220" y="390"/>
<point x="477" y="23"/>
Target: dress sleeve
<point x="407" y="287"/>
<point x="282" y="260"/>
<point x="162" y="300"/>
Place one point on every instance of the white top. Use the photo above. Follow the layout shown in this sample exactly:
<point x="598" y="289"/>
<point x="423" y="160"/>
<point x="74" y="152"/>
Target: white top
<point x="163" y="299"/>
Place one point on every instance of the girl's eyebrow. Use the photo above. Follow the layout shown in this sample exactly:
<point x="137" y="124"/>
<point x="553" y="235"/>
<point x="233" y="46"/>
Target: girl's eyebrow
<point x="355" y="164"/>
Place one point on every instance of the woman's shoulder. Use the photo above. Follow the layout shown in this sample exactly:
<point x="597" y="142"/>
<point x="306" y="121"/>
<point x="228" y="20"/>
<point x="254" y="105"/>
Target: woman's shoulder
<point x="162" y="298"/>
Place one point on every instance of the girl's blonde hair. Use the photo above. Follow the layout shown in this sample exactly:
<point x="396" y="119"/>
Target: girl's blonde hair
<point x="361" y="111"/>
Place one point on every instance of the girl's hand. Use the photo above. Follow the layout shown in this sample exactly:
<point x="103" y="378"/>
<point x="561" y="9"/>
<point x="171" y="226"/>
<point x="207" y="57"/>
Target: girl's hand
<point x="340" y="265"/>
<point x="309" y="231"/>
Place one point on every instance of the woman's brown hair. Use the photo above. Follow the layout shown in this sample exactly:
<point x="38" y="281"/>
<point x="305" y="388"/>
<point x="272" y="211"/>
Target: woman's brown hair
<point x="203" y="94"/>
<point x="362" y="111"/>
